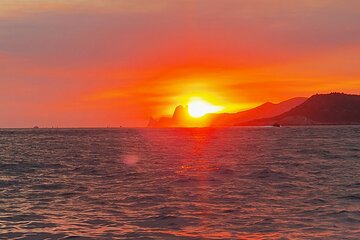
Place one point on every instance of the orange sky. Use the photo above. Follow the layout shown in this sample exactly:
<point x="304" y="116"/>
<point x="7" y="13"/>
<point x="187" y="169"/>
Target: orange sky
<point x="98" y="63"/>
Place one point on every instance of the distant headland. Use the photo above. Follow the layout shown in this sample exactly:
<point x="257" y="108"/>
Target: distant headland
<point x="319" y="109"/>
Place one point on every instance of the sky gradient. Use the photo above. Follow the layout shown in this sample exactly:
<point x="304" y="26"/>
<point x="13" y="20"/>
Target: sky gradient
<point x="111" y="63"/>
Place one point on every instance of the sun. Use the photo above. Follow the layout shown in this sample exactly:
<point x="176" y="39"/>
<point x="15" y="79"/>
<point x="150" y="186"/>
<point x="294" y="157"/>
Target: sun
<point x="198" y="108"/>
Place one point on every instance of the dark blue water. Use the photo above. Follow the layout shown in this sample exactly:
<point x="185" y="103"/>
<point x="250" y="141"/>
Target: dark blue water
<point x="231" y="183"/>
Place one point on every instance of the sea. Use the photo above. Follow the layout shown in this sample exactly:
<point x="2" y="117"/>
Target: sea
<point x="180" y="183"/>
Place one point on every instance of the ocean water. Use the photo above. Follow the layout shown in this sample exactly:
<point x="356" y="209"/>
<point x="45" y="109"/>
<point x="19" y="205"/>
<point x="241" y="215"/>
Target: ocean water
<point x="222" y="183"/>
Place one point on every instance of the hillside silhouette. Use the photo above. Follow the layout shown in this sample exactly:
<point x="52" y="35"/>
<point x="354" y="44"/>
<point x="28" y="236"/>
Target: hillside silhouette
<point x="320" y="109"/>
<point x="265" y="110"/>
<point x="180" y="117"/>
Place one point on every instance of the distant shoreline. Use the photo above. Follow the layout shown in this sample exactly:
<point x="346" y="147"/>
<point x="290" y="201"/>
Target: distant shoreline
<point x="213" y="127"/>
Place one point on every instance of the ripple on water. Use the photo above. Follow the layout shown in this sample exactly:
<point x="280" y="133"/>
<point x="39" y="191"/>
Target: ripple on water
<point x="255" y="183"/>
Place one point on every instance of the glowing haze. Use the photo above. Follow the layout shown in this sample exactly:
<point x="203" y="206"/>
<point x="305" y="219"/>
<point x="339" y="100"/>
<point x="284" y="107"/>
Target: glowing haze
<point x="97" y="63"/>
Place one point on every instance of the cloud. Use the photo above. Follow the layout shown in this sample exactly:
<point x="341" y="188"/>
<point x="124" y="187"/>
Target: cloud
<point x="19" y="8"/>
<point x="147" y="52"/>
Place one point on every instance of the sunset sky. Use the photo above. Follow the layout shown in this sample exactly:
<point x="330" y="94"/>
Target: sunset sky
<point x="71" y="63"/>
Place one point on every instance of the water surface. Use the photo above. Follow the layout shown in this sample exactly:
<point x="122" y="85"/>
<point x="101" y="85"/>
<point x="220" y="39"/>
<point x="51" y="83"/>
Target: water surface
<point x="225" y="183"/>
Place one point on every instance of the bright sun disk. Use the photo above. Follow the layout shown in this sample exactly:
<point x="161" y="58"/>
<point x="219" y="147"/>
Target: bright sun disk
<point x="198" y="108"/>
